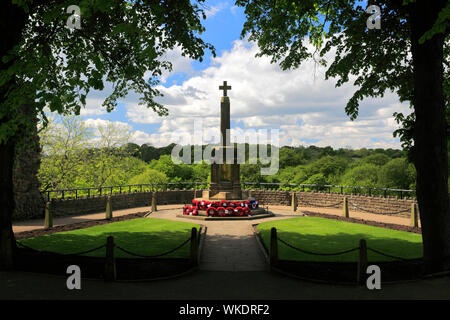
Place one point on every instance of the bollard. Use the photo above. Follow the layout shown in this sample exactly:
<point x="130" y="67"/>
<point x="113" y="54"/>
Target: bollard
<point x="48" y="222"/>
<point x="273" y="247"/>
<point x="362" y="262"/>
<point x="194" y="247"/>
<point x="294" y="202"/>
<point x="110" y="262"/>
<point x="345" y="207"/>
<point x="414" y="216"/>
<point x="154" y="208"/>
<point x="109" y="214"/>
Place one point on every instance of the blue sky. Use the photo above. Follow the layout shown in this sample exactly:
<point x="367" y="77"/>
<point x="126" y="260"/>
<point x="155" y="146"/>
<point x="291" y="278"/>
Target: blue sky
<point x="301" y="104"/>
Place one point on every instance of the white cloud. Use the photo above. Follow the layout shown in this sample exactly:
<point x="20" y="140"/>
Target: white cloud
<point x="301" y="103"/>
<point x="212" y="11"/>
<point x="93" y="107"/>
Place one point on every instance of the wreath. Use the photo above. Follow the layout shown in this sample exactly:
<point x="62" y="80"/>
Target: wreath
<point x="224" y="203"/>
<point x="229" y="211"/>
<point x="221" y="211"/>
<point x="239" y="211"/>
<point x="246" y="211"/>
<point x="187" y="210"/>
<point x="194" y="211"/>
<point x="211" y="212"/>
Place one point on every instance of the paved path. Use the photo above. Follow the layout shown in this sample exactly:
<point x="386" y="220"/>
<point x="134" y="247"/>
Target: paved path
<point x="220" y="275"/>
<point x="230" y="245"/>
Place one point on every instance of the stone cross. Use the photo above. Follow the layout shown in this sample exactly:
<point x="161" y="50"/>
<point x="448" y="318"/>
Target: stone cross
<point x="225" y="87"/>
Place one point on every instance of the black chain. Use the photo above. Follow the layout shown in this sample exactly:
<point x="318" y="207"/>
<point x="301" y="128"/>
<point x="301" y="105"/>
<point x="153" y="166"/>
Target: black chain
<point x="391" y="256"/>
<point x="66" y="254"/>
<point x="154" y="256"/>
<point x="318" y="205"/>
<point x="315" y="253"/>
<point x="385" y="213"/>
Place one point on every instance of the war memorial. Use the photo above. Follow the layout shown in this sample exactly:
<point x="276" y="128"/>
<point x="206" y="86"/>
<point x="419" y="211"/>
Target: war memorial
<point x="225" y="198"/>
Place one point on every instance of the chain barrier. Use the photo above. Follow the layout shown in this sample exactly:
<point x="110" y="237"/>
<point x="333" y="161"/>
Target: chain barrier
<point x="384" y="213"/>
<point x="66" y="254"/>
<point x="318" y="205"/>
<point x="315" y="253"/>
<point x="393" y="257"/>
<point x="154" y="256"/>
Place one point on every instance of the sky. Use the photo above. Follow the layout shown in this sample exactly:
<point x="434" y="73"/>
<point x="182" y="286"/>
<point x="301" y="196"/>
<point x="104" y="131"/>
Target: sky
<point x="303" y="107"/>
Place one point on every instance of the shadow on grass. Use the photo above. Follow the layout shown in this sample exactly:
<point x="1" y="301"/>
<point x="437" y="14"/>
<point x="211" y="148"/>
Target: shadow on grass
<point x="55" y="252"/>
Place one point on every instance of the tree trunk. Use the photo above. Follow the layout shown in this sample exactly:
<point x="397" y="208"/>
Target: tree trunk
<point x="12" y="19"/>
<point x="430" y="136"/>
<point x="7" y="240"/>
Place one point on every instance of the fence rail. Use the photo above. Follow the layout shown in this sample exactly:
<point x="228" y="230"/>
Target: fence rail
<point x="201" y="185"/>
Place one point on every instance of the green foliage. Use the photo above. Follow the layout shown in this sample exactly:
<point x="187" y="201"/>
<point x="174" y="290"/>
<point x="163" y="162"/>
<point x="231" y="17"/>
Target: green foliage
<point x="379" y="60"/>
<point x="397" y="173"/>
<point x="120" y="42"/>
<point x="378" y="159"/>
<point x="363" y="175"/>
<point x="149" y="176"/>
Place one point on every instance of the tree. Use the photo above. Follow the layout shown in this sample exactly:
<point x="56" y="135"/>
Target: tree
<point x="397" y="173"/>
<point x="149" y="176"/>
<point x="406" y="55"/>
<point x="63" y="142"/>
<point x="378" y="159"/>
<point x="362" y="175"/>
<point x="108" y="151"/>
<point x="45" y="64"/>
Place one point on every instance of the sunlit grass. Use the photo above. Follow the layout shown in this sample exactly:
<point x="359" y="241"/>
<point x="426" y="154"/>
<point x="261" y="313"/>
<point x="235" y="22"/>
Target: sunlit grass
<point x="323" y="235"/>
<point x="144" y="236"/>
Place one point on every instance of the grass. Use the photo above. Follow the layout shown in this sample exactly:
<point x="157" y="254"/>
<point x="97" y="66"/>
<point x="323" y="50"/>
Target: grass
<point x="144" y="236"/>
<point x="321" y="235"/>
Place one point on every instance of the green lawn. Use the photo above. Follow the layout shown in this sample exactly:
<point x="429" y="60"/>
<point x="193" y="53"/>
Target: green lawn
<point x="144" y="236"/>
<point x="323" y="235"/>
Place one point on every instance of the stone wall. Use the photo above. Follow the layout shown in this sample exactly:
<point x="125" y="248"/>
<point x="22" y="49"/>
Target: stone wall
<point x="334" y="200"/>
<point x="85" y="205"/>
